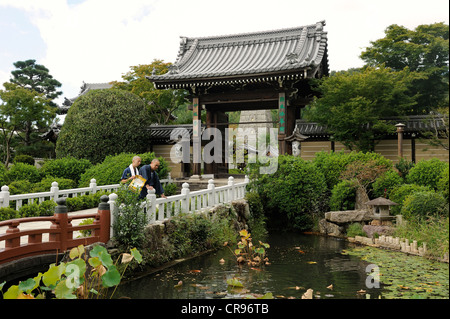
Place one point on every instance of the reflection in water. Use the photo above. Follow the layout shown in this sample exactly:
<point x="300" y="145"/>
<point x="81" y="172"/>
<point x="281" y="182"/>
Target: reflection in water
<point x="298" y="262"/>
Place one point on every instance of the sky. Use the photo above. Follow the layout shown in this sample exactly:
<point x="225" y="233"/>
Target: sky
<point x="96" y="41"/>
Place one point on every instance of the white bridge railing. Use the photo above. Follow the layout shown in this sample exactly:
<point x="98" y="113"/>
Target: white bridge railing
<point x="159" y="209"/>
<point x="6" y="198"/>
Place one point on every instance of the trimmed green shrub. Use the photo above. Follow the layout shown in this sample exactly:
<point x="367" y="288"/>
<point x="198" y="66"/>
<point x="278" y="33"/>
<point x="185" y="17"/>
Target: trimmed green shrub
<point x="423" y="204"/>
<point x="22" y="158"/>
<point x="111" y="169"/>
<point x="74" y="203"/>
<point x="102" y="123"/>
<point x="7" y="213"/>
<point x="20" y="187"/>
<point x="343" y="196"/>
<point x="386" y="183"/>
<point x="46" y="183"/>
<point x="66" y="167"/>
<point x="332" y="164"/>
<point x="22" y="171"/>
<point x="29" y="210"/>
<point x="47" y="208"/>
<point x="399" y="194"/>
<point x="427" y="173"/>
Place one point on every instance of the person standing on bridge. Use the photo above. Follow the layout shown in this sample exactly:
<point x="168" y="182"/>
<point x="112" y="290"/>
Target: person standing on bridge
<point x="131" y="171"/>
<point x="149" y="173"/>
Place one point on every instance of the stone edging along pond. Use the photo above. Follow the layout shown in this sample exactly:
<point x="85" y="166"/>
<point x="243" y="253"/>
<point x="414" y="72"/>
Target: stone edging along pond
<point x="335" y="224"/>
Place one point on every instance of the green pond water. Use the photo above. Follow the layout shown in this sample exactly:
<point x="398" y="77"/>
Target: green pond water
<point x="297" y="262"/>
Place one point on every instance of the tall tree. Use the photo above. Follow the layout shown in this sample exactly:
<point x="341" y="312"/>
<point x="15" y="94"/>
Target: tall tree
<point x="424" y="50"/>
<point x="21" y="109"/>
<point x="160" y="103"/>
<point x="36" y="77"/>
<point x="354" y="104"/>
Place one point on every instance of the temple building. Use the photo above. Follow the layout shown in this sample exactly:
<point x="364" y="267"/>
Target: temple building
<point x="249" y="71"/>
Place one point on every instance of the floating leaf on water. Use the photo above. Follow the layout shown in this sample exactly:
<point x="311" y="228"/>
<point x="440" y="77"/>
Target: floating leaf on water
<point x="195" y="271"/>
<point x="222" y="261"/>
<point x="330" y="287"/>
<point x="179" y="284"/>
<point x="312" y="262"/>
<point x="234" y="282"/>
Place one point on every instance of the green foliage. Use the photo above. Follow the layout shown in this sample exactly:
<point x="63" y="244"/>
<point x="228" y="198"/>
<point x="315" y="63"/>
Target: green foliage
<point x="170" y="189"/>
<point x="432" y="230"/>
<point x="424" y="50"/>
<point x="257" y="220"/>
<point x="352" y="105"/>
<point x="333" y="164"/>
<point x="293" y="193"/>
<point x="20" y="187"/>
<point x="423" y="204"/>
<point x="399" y="194"/>
<point x="160" y="103"/>
<point x="111" y="169"/>
<point x="403" y="166"/>
<point x="8" y="213"/>
<point x="129" y="219"/>
<point x="343" y="196"/>
<point x="427" y="173"/>
<point x="83" y="276"/>
<point x="47" y="208"/>
<point x="443" y="183"/>
<point x="22" y="171"/>
<point x="46" y="183"/>
<point x="27" y="159"/>
<point x="102" y="123"/>
<point x="383" y="185"/>
<point x="355" y="229"/>
<point x="68" y="167"/>
<point x="29" y="210"/>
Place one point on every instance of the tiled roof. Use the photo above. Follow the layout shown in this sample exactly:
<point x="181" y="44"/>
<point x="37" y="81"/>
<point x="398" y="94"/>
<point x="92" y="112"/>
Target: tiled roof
<point x="163" y="133"/>
<point x="413" y="124"/>
<point x="213" y="60"/>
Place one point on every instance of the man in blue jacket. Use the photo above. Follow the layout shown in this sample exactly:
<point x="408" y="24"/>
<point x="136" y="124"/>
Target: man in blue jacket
<point x="149" y="173"/>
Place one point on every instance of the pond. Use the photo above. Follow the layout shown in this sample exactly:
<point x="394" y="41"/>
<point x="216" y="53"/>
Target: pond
<point x="297" y="262"/>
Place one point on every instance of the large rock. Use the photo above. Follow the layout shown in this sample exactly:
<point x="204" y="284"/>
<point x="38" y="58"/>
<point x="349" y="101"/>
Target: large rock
<point x="370" y="230"/>
<point x="331" y="229"/>
<point x="349" y="216"/>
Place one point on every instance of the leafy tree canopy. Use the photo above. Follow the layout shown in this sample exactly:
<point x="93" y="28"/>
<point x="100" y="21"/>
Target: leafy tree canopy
<point x="424" y="50"/>
<point x="101" y="123"/>
<point x="160" y="103"/>
<point x="35" y="77"/>
<point x="353" y="105"/>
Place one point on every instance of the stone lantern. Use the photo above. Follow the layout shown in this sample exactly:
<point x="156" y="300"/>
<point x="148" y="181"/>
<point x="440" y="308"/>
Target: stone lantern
<point x="296" y="138"/>
<point x="381" y="207"/>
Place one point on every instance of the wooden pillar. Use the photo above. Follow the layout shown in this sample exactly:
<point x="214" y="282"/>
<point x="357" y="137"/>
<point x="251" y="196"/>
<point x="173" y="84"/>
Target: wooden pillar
<point x="290" y="125"/>
<point x="400" y="129"/>
<point x="196" y="136"/>
<point x="282" y="123"/>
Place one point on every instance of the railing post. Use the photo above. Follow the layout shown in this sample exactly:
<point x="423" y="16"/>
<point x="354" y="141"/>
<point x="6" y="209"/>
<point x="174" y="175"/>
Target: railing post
<point x="185" y="204"/>
<point x="4" y="194"/>
<point x="231" y="194"/>
<point x="12" y="229"/>
<point x="212" y="193"/>
<point x="93" y="186"/>
<point x="169" y="177"/>
<point x="113" y="206"/>
<point x="151" y="206"/>
<point x="61" y="223"/>
<point x="104" y="219"/>
<point x="55" y="190"/>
